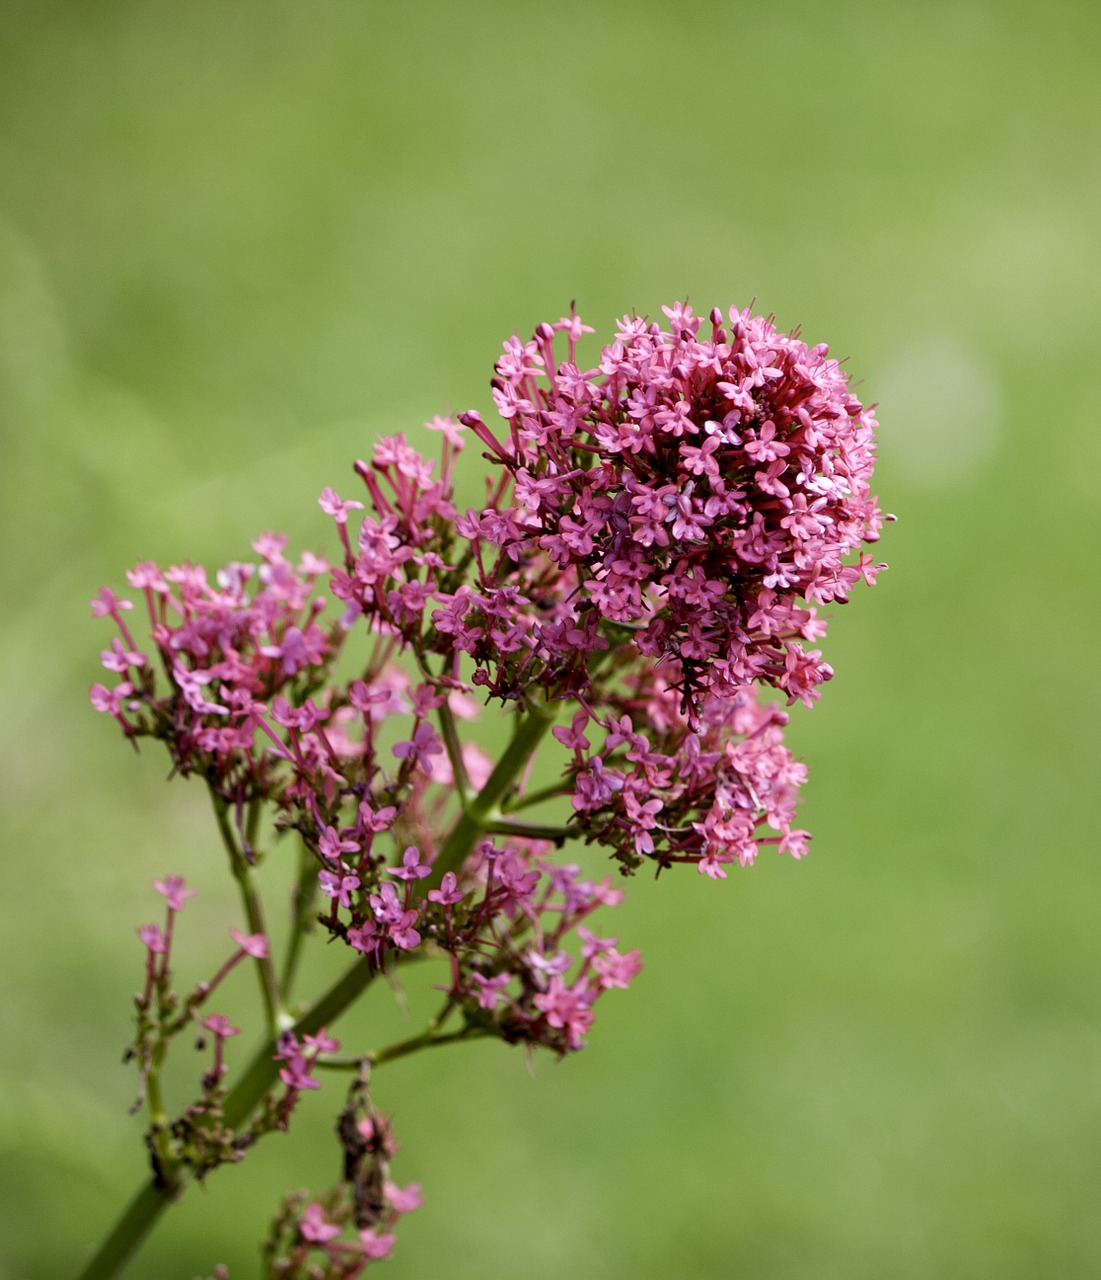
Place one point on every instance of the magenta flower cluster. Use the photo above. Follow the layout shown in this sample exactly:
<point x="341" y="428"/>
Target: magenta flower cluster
<point x="659" y="535"/>
<point x="704" y="492"/>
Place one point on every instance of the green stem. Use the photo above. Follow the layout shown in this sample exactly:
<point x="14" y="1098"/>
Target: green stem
<point x="263" y="1071"/>
<point x="529" y="830"/>
<point x="531" y="798"/>
<point x="254" y="913"/>
<point x="450" y="736"/>
<point x="427" y="1040"/>
<point x="252" y="824"/>
<point x="130" y="1231"/>
<point x="483" y="809"/>
<point x="305" y="895"/>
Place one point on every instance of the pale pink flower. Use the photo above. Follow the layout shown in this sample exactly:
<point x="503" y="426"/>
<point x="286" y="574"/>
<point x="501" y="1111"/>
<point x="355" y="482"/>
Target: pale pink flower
<point x="313" y="1226"/>
<point x="174" y="889"/>
<point x="404" y="1199"/>
<point x="252" y="944"/>
<point x="375" y="1244"/>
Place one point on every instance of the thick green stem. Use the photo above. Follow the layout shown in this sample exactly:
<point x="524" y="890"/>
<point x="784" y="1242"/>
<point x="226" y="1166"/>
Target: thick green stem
<point x="130" y="1231"/>
<point x="532" y="798"/>
<point x="529" y="830"/>
<point x="483" y="809"/>
<point x="302" y="913"/>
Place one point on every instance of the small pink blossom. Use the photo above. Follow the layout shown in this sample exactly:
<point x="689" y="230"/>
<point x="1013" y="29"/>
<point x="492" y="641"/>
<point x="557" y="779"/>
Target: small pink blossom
<point x="314" y="1227"/>
<point x="153" y="938"/>
<point x="108" y="605"/>
<point x="295" y="1074"/>
<point x="375" y="821"/>
<point x="252" y="944"/>
<point x="490" y="988"/>
<point x="450" y="429"/>
<point x="448" y="893"/>
<point x="402" y="933"/>
<point x="411" y="866"/>
<point x="404" y="1199"/>
<point x="330" y="502"/>
<point x="119" y="659"/>
<point x="110" y="701"/>
<point x="219" y="1025"/>
<point x="338" y="887"/>
<point x="424" y="743"/>
<point x="568" y="1008"/>
<point x="174" y="890"/>
<point x="332" y="845"/>
<point x="617" y="970"/>
<point x="376" y="1245"/>
<point x="322" y="1042"/>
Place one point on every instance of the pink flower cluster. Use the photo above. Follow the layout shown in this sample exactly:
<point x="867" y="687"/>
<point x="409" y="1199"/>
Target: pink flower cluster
<point x="703" y="491"/>
<point x="654" y="789"/>
<point x="506" y="926"/>
<point x="225" y="648"/>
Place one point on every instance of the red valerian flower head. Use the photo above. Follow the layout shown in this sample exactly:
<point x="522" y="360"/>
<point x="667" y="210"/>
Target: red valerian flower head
<point x="707" y="492"/>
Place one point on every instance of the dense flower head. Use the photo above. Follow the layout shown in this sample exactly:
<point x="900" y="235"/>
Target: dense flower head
<point x="706" y="491"/>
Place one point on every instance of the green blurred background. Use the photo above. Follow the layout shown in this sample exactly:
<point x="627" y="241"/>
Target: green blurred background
<point x="237" y="240"/>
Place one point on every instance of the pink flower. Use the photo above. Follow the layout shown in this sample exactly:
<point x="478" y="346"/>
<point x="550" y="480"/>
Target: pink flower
<point x="322" y="1042"/>
<point x="451" y="431"/>
<point x="252" y="944"/>
<point x="574" y="736"/>
<point x="313" y="1226"/>
<point x="376" y="821"/>
<point x="617" y="970"/>
<point x="108" y="605"/>
<point x="145" y="576"/>
<point x="425" y="742"/>
<point x="448" y="893"/>
<point x="110" y="700"/>
<point x="568" y="1008"/>
<point x="364" y="938"/>
<point x="404" y="1199"/>
<point x="338" y="887"/>
<point x="296" y="1074"/>
<point x="173" y="889"/>
<point x="331" y="845"/>
<point x="736" y="460"/>
<point x="330" y="502"/>
<point x="489" y="988"/>
<point x="220" y="1026"/>
<point x="374" y="1244"/>
<point x="411" y="866"/>
<point x="153" y="938"/>
<point x="402" y="933"/>
<point x="119" y="659"/>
